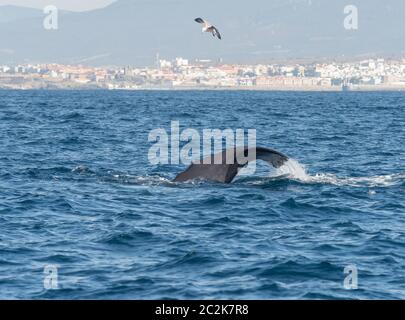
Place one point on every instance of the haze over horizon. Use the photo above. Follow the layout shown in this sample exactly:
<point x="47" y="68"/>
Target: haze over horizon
<point x="69" y="5"/>
<point x="132" y="32"/>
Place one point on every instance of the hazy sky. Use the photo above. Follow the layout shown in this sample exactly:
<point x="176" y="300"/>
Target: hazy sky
<point x="132" y="32"/>
<point x="73" y="5"/>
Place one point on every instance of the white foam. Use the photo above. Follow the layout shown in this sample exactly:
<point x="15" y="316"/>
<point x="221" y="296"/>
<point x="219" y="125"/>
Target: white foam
<point x="296" y="171"/>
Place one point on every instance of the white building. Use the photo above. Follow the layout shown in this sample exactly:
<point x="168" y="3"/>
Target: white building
<point x="164" y="64"/>
<point x="180" y="62"/>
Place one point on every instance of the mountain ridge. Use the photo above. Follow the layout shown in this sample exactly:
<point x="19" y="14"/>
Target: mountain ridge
<point x="133" y="32"/>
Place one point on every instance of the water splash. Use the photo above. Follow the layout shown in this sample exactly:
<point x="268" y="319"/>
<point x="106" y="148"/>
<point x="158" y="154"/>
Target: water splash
<point x="146" y="180"/>
<point x="293" y="170"/>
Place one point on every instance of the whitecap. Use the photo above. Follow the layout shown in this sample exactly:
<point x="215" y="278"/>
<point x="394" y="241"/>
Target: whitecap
<point x="296" y="171"/>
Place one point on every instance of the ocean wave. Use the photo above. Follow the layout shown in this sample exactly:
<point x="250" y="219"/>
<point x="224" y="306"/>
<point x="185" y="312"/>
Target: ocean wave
<point x="78" y="192"/>
<point x="143" y="180"/>
<point x="126" y="237"/>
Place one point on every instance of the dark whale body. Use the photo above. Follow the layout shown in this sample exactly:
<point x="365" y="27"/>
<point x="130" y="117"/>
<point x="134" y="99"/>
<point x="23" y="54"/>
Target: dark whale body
<point x="219" y="170"/>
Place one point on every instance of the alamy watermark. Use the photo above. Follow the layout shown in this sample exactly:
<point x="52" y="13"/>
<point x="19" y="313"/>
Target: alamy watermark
<point x="198" y="147"/>
<point x="351" y="21"/>
<point x="51" y="21"/>
<point x="51" y="277"/>
<point x="351" y="281"/>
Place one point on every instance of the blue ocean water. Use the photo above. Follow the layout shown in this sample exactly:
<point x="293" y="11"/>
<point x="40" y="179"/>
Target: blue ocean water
<point x="77" y="192"/>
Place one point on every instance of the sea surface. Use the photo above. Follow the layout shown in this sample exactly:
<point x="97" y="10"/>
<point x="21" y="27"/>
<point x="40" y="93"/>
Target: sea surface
<point x="85" y="215"/>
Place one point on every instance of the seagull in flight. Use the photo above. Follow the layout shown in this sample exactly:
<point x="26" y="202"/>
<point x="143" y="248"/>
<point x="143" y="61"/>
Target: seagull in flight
<point x="208" y="27"/>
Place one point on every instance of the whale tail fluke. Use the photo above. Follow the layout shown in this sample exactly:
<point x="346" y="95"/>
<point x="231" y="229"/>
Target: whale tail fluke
<point x="222" y="168"/>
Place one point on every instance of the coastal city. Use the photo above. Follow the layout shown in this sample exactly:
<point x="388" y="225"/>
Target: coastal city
<point x="183" y="74"/>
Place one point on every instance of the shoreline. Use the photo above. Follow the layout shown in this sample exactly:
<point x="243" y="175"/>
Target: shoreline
<point x="239" y="88"/>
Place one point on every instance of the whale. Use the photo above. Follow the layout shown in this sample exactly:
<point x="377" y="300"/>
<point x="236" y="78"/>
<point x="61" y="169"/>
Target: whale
<point x="224" y="166"/>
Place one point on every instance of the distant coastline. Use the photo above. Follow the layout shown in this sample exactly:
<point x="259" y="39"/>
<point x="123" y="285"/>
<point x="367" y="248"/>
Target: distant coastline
<point x="279" y="89"/>
<point x="182" y="74"/>
<point x="358" y="88"/>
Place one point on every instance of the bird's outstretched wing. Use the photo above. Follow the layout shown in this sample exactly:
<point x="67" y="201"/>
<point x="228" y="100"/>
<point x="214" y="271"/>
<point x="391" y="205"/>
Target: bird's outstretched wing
<point x="199" y="20"/>
<point x="215" y="32"/>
